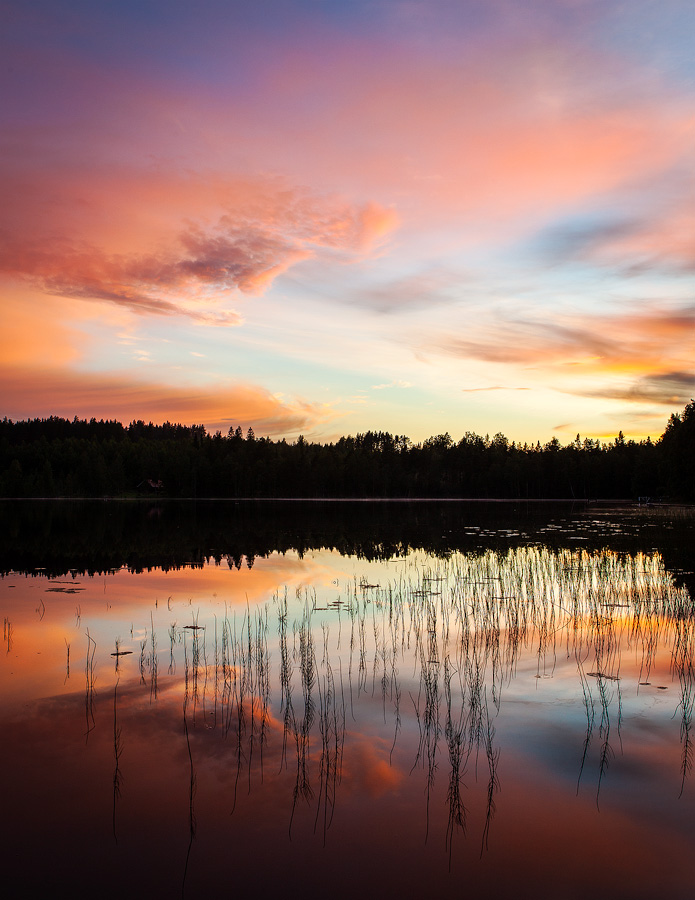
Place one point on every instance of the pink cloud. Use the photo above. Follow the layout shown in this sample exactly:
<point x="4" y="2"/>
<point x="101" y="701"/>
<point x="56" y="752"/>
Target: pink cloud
<point x="172" y="244"/>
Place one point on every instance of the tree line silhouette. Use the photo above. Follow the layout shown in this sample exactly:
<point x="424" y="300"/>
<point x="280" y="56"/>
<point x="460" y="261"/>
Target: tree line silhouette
<point x="57" y="457"/>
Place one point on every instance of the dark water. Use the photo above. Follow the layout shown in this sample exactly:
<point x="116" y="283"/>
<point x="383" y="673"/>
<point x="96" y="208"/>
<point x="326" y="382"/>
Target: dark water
<point x="347" y="698"/>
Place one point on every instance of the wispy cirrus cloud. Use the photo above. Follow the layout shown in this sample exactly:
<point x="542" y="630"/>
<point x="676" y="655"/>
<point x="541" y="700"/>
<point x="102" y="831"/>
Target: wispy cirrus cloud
<point x="659" y="238"/>
<point x="528" y="343"/>
<point x="494" y="387"/>
<point x="646" y="336"/>
<point x="665" y="388"/>
<point x="570" y="241"/>
<point x="663" y="242"/>
<point x="644" y="354"/>
<point x="398" y="383"/>
<point x="431" y="288"/>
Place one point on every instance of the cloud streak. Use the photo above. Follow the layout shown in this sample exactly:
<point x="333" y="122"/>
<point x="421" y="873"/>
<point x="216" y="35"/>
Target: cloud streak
<point x="47" y="392"/>
<point x="431" y="288"/>
<point x="634" y="352"/>
<point x="626" y="341"/>
<point x="660" y="240"/>
<point x="673" y="389"/>
<point x="495" y="387"/>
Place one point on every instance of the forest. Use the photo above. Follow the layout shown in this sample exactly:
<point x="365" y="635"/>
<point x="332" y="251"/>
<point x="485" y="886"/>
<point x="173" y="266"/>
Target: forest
<point x="57" y="457"/>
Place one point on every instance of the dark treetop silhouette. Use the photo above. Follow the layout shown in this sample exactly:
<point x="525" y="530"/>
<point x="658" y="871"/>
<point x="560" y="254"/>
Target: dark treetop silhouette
<point x="57" y="457"/>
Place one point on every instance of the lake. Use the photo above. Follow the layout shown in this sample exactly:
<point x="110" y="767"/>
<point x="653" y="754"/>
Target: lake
<point x="344" y="698"/>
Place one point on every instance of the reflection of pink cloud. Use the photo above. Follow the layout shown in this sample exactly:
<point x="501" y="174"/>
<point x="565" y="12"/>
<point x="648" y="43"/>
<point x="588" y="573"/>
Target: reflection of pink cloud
<point x="533" y="812"/>
<point x="48" y="392"/>
<point x="213" y="585"/>
<point x="366" y="767"/>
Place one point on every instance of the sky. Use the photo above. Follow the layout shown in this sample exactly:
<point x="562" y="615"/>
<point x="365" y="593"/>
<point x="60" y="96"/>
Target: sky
<point x="322" y="218"/>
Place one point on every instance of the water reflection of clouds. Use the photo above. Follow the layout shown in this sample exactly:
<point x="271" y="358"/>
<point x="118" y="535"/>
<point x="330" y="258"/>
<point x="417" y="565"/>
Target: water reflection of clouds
<point x="479" y="675"/>
<point x="367" y="769"/>
<point x="555" y="844"/>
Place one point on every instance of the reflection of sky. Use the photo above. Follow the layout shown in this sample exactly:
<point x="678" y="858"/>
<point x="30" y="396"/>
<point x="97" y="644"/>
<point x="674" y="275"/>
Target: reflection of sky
<point x="543" y="829"/>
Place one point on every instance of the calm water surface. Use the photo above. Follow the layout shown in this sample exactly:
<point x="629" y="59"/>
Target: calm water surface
<point x="380" y="699"/>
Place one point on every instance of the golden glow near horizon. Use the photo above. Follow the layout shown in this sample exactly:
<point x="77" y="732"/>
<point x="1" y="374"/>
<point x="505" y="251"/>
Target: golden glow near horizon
<point x="412" y="218"/>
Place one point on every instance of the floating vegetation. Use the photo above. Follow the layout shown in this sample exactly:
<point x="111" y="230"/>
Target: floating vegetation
<point x="63" y="590"/>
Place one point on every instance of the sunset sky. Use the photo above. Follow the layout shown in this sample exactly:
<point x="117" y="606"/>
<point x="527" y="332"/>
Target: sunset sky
<point x="317" y="217"/>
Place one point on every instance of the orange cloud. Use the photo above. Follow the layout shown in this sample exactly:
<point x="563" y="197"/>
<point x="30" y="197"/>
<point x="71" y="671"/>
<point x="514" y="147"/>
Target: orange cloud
<point x="467" y="141"/>
<point x="28" y="335"/>
<point x="48" y="392"/>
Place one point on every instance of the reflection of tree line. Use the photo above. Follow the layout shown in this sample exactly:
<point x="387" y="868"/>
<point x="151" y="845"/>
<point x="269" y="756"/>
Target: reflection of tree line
<point x="90" y="537"/>
<point x="58" y="457"/>
<point x="464" y="626"/>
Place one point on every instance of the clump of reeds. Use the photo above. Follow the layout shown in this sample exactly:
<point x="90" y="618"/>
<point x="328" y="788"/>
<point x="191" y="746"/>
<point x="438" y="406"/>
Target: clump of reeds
<point x="117" y="751"/>
<point x="153" y="661"/>
<point x="332" y="731"/>
<point x="302" y="733"/>
<point x="462" y="627"/>
<point x="89" y="689"/>
<point x="454" y="733"/>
